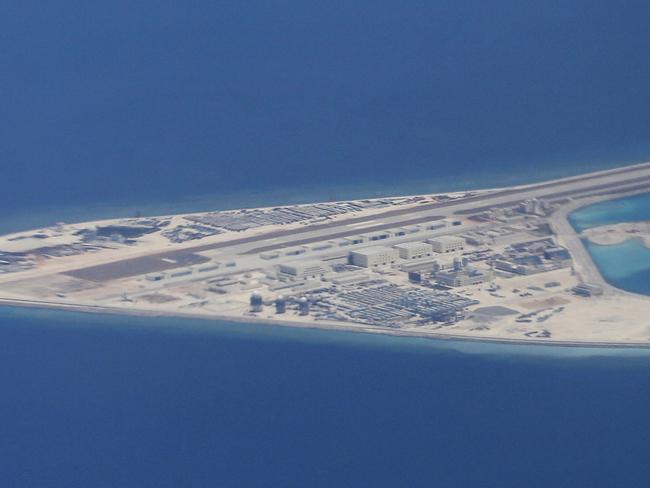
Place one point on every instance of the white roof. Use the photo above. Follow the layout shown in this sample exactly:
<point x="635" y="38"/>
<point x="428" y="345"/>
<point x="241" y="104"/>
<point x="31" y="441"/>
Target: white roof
<point x="412" y="245"/>
<point x="446" y="239"/>
<point x="373" y="250"/>
<point x="303" y="264"/>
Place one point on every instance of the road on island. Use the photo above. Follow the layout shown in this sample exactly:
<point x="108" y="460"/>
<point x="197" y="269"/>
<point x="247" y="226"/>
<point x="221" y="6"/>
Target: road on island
<point x="611" y="181"/>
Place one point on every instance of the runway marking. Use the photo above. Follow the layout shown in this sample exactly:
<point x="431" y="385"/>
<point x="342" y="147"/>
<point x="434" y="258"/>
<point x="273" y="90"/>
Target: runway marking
<point x="362" y="224"/>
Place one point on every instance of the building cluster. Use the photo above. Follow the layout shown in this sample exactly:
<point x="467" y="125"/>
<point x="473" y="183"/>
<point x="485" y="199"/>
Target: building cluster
<point x="377" y="256"/>
<point x="125" y="231"/>
<point x="190" y="232"/>
<point x="424" y="260"/>
<point x="200" y="271"/>
<point x="529" y="210"/>
<point x="535" y="206"/>
<point x="240" y="220"/>
<point x="400" y="276"/>
<point x="381" y="303"/>
<point x="532" y="257"/>
<point x="377" y="240"/>
<point x="498" y="235"/>
<point x="213" y="223"/>
<point x="85" y="240"/>
<point x="11" y="262"/>
<point x="350" y="278"/>
<point x="462" y="274"/>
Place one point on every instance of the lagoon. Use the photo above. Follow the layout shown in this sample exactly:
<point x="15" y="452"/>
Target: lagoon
<point x="625" y="265"/>
<point x="635" y="208"/>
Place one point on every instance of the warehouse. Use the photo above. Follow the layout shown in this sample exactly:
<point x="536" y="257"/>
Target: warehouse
<point x="305" y="269"/>
<point x="447" y="243"/>
<point x="402" y="231"/>
<point x="414" y="250"/>
<point x="464" y="277"/>
<point x="588" y="290"/>
<point x="374" y="256"/>
<point x="378" y="236"/>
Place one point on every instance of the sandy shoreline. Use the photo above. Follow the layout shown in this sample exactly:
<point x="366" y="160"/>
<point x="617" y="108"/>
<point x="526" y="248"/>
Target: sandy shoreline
<point x="481" y="190"/>
<point x="327" y="326"/>
<point x="616" y="320"/>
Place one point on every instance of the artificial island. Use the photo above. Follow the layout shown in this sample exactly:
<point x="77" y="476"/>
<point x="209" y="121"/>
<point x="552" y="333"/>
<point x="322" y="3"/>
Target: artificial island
<point x="500" y="264"/>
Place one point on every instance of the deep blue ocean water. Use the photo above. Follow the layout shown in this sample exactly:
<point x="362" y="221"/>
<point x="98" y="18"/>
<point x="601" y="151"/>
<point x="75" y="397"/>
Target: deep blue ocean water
<point x="126" y="106"/>
<point x="116" y="107"/>
<point x="129" y="402"/>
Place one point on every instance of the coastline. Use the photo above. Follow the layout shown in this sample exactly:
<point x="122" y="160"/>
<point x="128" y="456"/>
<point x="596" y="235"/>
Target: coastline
<point x="276" y="196"/>
<point x="326" y="326"/>
<point x="18" y="301"/>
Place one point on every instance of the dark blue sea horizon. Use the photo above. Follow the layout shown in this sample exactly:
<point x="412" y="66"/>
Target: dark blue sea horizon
<point x="154" y="106"/>
<point x="114" y="108"/>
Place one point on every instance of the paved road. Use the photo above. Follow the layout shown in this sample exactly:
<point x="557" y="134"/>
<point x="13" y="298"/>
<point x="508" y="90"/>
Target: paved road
<point x="605" y="182"/>
<point x="605" y="188"/>
<point x="583" y="264"/>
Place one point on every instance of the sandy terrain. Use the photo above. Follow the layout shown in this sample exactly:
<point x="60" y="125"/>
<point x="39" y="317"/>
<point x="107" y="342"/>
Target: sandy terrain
<point x="619" y="233"/>
<point x="538" y="308"/>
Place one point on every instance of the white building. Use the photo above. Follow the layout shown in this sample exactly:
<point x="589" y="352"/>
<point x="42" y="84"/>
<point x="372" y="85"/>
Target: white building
<point x="374" y="256"/>
<point x="352" y="240"/>
<point x="155" y="277"/>
<point x="378" y="236"/>
<point x="464" y="277"/>
<point x="447" y="243"/>
<point x="414" y="250"/>
<point x="305" y="269"/>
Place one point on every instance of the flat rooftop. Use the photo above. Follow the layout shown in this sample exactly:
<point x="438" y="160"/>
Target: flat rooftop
<point x="446" y="239"/>
<point x="372" y="249"/>
<point x="411" y="245"/>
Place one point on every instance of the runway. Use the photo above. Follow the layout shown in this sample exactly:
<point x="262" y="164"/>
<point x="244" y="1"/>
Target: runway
<point x="611" y="181"/>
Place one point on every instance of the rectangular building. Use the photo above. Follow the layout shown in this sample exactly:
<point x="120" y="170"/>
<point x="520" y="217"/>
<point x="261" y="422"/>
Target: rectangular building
<point x="588" y="290"/>
<point x="371" y="257"/>
<point x="444" y="244"/>
<point x="403" y="231"/>
<point x="354" y="240"/>
<point x="378" y="236"/>
<point x="305" y="269"/>
<point x="414" y="250"/>
<point x="557" y="254"/>
<point x="464" y="277"/>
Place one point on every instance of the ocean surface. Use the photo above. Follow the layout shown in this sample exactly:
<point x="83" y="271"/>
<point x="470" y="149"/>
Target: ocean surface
<point x="119" y="107"/>
<point x="625" y="265"/>
<point x="116" y="107"/>
<point x="131" y="402"/>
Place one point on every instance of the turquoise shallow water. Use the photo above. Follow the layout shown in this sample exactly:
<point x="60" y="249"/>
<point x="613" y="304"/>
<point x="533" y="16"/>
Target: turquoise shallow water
<point x="628" y="209"/>
<point x="626" y="265"/>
